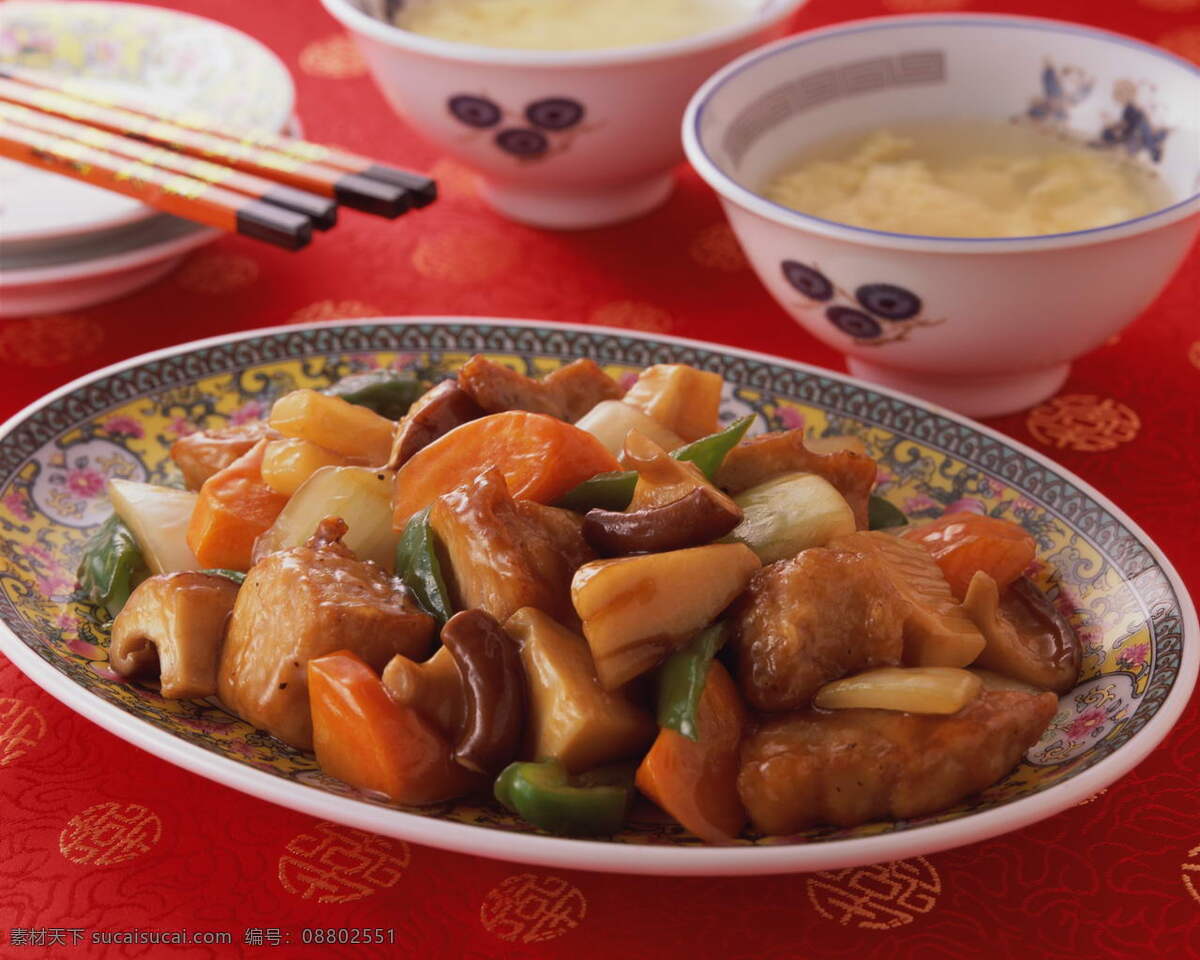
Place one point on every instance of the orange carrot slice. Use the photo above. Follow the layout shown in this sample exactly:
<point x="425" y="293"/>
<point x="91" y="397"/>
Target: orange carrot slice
<point x="541" y="459"/>
<point x="965" y="543"/>
<point x="363" y="736"/>
<point x="695" y="781"/>
<point x="233" y="508"/>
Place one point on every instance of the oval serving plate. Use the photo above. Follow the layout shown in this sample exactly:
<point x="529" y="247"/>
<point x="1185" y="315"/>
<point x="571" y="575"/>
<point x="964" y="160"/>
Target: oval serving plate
<point x="1133" y="614"/>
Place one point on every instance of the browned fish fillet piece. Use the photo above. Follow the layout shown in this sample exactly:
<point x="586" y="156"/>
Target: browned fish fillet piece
<point x="814" y="618"/>
<point x="937" y="630"/>
<point x="567" y="393"/>
<point x="846" y="767"/>
<point x="770" y="455"/>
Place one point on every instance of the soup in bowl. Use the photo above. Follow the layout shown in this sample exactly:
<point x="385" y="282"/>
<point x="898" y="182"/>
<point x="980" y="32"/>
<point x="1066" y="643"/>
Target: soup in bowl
<point x="982" y="317"/>
<point x="560" y="136"/>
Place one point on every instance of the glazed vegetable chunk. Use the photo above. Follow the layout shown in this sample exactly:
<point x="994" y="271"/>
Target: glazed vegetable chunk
<point x="335" y="424"/>
<point x="914" y="689"/>
<point x="567" y="393"/>
<point x="505" y="554"/>
<point x="1027" y="638"/>
<point x="359" y="495"/>
<point x="965" y="543"/>
<point x="540" y="458"/>
<point x="674" y="506"/>
<point x="571" y="717"/>
<point x="636" y="611"/>
<point x="610" y="422"/>
<point x="847" y="767"/>
<point x="696" y="780"/>
<point x="770" y="455"/>
<point x="817" y="617"/>
<point x="937" y="631"/>
<point x="298" y="604"/>
<point x="434" y="414"/>
<point x="235" y="508"/>
<point x="791" y="513"/>
<point x="683" y="399"/>
<point x="363" y="736"/>
<point x="201" y="454"/>
<point x="288" y="463"/>
<point x="158" y="518"/>
<point x="173" y="626"/>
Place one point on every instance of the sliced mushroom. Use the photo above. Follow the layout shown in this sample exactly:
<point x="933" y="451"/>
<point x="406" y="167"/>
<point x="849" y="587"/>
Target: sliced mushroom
<point x="494" y="685"/>
<point x="1027" y="638"/>
<point x="661" y="478"/>
<point x="695" y="519"/>
<point x="174" y="625"/>
<point x="433" y="688"/>
<point x="438" y="412"/>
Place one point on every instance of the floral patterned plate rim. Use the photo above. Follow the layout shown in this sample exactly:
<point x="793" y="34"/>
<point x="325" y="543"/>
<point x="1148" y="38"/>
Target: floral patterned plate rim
<point x="1137" y="622"/>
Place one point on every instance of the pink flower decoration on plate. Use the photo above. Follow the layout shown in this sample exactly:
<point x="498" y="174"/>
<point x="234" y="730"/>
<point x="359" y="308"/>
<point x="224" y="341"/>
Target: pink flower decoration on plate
<point x="1134" y="656"/>
<point x="181" y="427"/>
<point x="920" y="502"/>
<point x="790" y="418"/>
<point x="251" y="411"/>
<point x="1085" y="723"/>
<point x="123" y="427"/>
<point x="85" y="483"/>
<point x="17" y="506"/>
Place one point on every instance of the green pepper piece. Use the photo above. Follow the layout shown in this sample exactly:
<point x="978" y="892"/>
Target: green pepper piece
<point x="111" y="566"/>
<point x="418" y="566"/>
<point x="882" y="514"/>
<point x="614" y="490"/>
<point x="708" y="453"/>
<point x="591" y="804"/>
<point x="608" y="491"/>
<point x="235" y="575"/>
<point x="388" y="393"/>
<point x="681" y="681"/>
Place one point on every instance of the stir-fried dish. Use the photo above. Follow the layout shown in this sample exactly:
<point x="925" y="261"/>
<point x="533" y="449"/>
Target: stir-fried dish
<point x="564" y="593"/>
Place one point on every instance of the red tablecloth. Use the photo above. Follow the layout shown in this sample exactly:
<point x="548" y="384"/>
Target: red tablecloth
<point x="97" y="835"/>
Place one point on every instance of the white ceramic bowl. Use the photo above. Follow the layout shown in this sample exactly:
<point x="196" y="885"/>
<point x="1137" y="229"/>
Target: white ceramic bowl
<point x="984" y="326"/>
<point x="563" y="139"/>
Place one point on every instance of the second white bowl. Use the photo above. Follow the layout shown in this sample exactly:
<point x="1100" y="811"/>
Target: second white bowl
<point x="983" y="326"/>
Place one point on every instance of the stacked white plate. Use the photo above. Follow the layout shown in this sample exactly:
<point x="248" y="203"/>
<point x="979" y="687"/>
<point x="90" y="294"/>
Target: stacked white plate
<point x="65" y="244"/>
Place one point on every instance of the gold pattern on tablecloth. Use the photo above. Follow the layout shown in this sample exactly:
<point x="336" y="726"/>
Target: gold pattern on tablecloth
<point x="1083" y="422"/>
<point x="528" y="908"/>
<point x="48" y="341"/>
<point x="217" y="273"/>
<point x="877" y="897"/>
<point x="1194" y="354"/>
<point x="633" y="315"/>
<point x="334" y="310"/>
<point x="22" y="727"/>
<point x="1184" y="41"/>
<point x="109" y="833"/>
<point x="335" y="58"/>
<point x="1190" y="873"/>
<point x="717" y="248"/>
<point x="465" y="256"/>
<point x="336" y="864"/>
